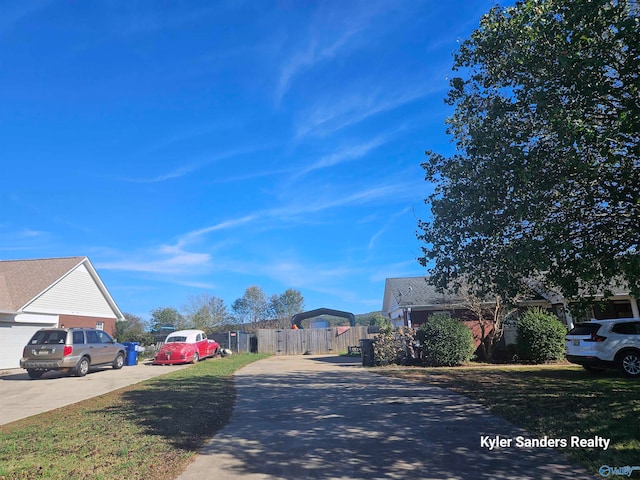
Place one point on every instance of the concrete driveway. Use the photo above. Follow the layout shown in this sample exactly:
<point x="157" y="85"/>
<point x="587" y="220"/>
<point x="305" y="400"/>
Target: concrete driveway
<point x="23" y="397"/>
<point x="322" y="417"/>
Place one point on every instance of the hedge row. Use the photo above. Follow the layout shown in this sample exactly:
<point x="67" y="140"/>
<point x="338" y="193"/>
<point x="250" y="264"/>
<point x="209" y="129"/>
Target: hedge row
<point x="444" y="341"/>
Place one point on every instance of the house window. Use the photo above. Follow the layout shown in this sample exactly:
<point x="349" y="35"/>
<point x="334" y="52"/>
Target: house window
<point x="99" y="325"/>
<point x="613" y="309"/>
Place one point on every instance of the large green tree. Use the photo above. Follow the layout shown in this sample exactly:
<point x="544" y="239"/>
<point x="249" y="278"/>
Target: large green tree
<point x="206" y="312"/>
<point x="166" y="316"/>
<point x="131" y="329"/>
<point x="252" y="306"/>
<point x="286" y="305"/>
<point x="545" y="180"/>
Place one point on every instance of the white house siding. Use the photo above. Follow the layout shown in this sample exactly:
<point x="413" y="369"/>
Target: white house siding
<point x="16" y="331"/>
<point x="75" y="294"/>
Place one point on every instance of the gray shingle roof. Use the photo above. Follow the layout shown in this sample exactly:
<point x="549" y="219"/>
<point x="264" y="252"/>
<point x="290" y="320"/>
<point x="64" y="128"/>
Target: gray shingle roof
<point x="22" y="280"/>
<point x="415" y="291"/>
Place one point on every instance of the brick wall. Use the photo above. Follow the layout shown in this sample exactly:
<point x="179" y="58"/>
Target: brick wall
<point x="70" y="321"/>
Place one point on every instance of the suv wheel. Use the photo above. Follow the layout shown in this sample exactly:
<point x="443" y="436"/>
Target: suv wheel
<point x="118" y="362"/>
<point x="83" y="367"/>
<point x="629" y="362"/>
<point x="35" y="373"/>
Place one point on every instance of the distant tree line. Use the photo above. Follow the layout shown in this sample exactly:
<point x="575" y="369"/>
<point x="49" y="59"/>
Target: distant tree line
<point x="210" y="313"/>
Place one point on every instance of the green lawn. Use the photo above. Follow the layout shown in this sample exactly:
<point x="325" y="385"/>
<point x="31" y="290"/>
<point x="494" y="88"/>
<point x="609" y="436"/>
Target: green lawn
<point x="146" y="431"/>
<point x="554" y="400"/>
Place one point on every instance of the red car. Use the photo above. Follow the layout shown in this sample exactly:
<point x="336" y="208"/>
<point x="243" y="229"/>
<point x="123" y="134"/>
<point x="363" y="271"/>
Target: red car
<point x="186" y="346"/>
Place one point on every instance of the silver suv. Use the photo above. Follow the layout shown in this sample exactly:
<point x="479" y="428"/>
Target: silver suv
<point x="70" y="350"/>
<point x="601" y="344"/>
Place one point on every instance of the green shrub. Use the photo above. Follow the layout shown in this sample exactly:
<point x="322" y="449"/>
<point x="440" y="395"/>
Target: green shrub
<point x="540" y="337"/>
<point x="445" y="341"/>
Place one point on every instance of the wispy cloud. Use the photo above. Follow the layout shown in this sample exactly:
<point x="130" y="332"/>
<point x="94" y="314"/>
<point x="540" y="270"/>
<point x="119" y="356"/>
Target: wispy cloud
<point x="187" y="134"/>
<point x="177" y="173"/>
<point x="316" y="51"/>
<point x="286" y="213"/>
<point x="251" y="175"/>
<point x="321" y="277"/>
<point x="225" y="225"/>
<point x="165" y="260"/>
<point x="346" y="154"/>
<point x="191" y="256"/>
<point x="326" y="117"/>
<point x="29" y="233"/>
<point x="22" y="239"/>
<point x="193" y="166"/>
<point x="387" y="224"/>
<point x="333" y="33"/>
<point x="396" y="190"/>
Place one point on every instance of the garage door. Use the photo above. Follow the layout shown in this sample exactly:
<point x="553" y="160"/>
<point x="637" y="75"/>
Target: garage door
<point x="13" y="338"/>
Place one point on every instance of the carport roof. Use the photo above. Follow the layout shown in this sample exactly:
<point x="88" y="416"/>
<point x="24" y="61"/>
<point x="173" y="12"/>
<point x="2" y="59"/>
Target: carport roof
<point x="23" y="280"/>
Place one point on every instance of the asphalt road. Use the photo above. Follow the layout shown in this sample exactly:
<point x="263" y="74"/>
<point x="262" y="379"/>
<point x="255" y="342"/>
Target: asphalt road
<point x="23" y="397"/>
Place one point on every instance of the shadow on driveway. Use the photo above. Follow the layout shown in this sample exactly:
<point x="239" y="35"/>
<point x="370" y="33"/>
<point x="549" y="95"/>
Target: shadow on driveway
<point x="328" y="418"/>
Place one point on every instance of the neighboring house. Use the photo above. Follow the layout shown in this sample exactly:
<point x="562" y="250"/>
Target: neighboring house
<point x="409" y="301"/>
<point x="51" y="292"/>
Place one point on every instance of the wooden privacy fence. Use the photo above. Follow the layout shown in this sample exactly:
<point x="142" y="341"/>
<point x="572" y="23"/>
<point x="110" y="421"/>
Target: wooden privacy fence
<point x="310" y="340"/>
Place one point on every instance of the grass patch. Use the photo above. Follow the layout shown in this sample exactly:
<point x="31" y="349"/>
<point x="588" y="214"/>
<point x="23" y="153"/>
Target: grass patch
<point x="554" y="400"/>
<point x="148" y="430"/>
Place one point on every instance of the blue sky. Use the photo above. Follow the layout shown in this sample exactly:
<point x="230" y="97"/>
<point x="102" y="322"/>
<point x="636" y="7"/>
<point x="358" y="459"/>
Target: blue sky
<point x="204" y="147"/>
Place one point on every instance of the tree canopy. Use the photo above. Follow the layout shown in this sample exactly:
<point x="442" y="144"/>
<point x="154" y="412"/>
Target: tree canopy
<point x="286" y="305"/>
<point x="206" y="312"/>
<point x="132" y="329"/>
<point x="252" y="306"/>
<point x="166" y="316"/>
<point x="545" y="180"/>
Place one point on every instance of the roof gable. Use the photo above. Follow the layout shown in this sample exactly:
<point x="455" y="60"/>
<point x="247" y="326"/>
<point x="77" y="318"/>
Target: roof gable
<point x="27" y="283"/>
<point x="23" y="280"/>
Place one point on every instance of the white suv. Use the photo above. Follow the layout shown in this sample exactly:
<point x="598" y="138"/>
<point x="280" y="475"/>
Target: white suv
<point x="601" y="344"/>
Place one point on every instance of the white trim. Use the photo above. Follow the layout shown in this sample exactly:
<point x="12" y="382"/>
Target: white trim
<point x="75" y="313"/>
<point x="36" y="318"/>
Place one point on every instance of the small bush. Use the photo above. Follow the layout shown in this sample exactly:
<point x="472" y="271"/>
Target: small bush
<point x="540" y="337"/>
<point x="393" y="347"/>
<point x="445" y="341"/>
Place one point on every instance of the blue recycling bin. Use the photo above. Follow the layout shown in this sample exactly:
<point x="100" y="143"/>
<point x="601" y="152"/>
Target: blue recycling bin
<point x="132" y="353"/>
